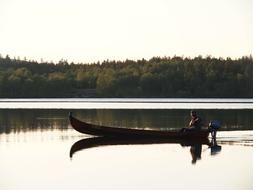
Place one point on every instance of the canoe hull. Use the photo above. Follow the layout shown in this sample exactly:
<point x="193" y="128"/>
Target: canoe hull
<point x="98" y="130"/>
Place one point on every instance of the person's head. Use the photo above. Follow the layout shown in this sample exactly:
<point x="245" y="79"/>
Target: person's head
<point x="193" y="113"/>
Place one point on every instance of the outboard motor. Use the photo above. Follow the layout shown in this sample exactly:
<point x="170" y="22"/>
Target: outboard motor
<point x="213" y="127"/>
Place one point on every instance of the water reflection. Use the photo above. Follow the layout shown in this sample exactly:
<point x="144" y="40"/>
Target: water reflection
<point x="28" y="120"/>
<point x="215" y="148"/>
<point x="196" y="151"/>
<point x="194" y="144"/>
<point x="15" y="121"/>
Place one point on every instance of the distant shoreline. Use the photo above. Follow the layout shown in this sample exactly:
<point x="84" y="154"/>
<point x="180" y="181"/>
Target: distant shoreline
<point x="165" y="77"/>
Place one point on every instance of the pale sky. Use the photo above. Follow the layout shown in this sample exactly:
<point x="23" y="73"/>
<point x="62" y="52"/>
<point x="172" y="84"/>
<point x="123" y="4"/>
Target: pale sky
<point x="92" y="30"/>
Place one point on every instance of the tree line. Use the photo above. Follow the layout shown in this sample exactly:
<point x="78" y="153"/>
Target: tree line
<point x="156" y="77"/>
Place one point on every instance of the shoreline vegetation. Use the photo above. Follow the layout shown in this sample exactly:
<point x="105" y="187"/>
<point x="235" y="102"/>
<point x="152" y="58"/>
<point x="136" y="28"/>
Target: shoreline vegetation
<point x="161" y="77"/>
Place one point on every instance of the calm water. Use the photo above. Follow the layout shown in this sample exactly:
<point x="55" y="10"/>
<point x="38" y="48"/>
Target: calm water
<point x="40" y="150"/>
<point x="127" y="103"/>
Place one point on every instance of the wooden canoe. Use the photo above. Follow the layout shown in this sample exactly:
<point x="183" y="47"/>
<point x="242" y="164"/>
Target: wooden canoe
<point x="98" y="130"/>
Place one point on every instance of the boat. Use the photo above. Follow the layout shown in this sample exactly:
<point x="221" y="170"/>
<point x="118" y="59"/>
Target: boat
<point x="99" y="130"/>
<point x="92" y="142"/>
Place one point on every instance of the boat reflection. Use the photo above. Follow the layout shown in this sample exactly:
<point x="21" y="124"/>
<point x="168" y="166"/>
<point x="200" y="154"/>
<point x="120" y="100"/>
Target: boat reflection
<point x="194" y="144"/>
<point x="196" y="150"/>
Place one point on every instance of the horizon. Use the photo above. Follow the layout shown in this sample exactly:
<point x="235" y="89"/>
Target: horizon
<point x="91" y="31"/>
<point x="112" y="60"/>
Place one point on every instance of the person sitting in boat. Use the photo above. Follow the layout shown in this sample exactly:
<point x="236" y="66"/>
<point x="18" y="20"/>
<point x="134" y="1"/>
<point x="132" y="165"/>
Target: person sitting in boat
<point x="195" y="123"/>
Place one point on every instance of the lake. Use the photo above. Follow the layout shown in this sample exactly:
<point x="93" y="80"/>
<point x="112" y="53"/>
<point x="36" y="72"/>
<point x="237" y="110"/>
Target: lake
<point x="127" y="103"/>
<point x="40" y="150"/>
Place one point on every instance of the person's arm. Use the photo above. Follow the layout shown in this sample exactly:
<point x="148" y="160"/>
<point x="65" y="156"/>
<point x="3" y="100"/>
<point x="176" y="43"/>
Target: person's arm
<point x="196" y="120"/>
<point x="193" y="122"/>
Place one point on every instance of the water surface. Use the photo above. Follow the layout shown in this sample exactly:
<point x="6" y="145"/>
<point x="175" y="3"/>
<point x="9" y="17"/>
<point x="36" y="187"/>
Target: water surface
<point x="38" y="151"/>
<point x="127" y="103"/>
<point x="30" y="119"/>
<point x="40" y="159"/>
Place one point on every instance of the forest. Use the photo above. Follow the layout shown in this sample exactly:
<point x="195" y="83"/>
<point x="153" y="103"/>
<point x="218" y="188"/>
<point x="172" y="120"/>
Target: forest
<point x="170" y="77"/>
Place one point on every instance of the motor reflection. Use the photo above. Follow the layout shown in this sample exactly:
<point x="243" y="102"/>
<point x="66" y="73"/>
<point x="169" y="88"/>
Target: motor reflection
<point x="215" y="148"/>
<point x="196" y="150"/>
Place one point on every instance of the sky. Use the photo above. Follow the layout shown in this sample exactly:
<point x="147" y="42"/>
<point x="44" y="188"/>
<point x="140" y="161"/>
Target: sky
<point x="95" y="30"/>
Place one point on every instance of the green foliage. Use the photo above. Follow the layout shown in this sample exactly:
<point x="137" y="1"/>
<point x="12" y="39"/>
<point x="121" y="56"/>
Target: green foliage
<point x="106" y="82"/>
<point x="157" y="77"/>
